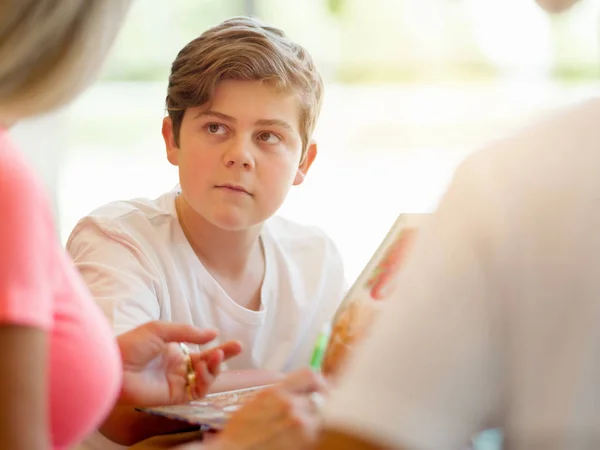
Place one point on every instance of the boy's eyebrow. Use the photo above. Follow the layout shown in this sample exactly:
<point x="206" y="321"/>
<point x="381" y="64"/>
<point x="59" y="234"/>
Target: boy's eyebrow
<point x="261" y="122"/>
<point x="217" y="114"/>
<point x="274" y="122"/>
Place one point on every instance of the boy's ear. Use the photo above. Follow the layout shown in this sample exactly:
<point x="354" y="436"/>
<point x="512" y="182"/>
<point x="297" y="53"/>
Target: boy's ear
<point x="309" y="157"/>
<point x="169" y="137"/>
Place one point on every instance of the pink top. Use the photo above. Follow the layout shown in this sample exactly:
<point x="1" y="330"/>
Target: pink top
<point x="39" y="287"/>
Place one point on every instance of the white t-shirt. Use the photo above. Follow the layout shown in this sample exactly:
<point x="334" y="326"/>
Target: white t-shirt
<point x="496" y="318"/>
<point x="140" y="267"/>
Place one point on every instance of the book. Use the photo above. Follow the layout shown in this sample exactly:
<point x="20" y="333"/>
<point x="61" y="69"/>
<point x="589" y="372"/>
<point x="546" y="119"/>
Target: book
<point x="373" y="286"/>
<point x="209" y="413"/>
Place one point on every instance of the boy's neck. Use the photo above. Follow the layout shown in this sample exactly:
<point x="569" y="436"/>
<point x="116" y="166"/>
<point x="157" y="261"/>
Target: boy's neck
<point x="227" y="252"/>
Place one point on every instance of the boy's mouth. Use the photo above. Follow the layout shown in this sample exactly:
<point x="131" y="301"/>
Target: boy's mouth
<point x="234" y="188"/>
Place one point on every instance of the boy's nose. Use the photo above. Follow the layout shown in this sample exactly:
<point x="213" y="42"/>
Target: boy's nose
<point x="239" y="154"/>
<point x="244" y="164"/>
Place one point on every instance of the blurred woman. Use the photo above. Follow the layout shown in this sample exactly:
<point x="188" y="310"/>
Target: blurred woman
<point x="62" y="370"/>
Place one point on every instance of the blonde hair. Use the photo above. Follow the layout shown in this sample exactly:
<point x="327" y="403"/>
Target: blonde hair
<point x="50" y="50"/>
<point x="247" y="50"/>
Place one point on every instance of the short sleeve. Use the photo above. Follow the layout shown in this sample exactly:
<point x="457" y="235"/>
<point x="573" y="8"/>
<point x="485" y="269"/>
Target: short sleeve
<point x="117" y="273"/>
<point x="28" y="244"/>
<point x="428" y="377"/>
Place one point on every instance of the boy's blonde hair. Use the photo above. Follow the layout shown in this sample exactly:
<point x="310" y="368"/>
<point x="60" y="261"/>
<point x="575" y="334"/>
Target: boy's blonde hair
<point x="247" y="50"/>
<point x="50" y="50"/>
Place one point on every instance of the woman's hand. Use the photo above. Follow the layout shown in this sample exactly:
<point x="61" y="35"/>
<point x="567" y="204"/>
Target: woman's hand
<point x="283" y="416"/>
<point x="154" y="367"/>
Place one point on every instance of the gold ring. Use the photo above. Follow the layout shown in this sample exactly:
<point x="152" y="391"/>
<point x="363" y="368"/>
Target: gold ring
<point x="190" y="377"/>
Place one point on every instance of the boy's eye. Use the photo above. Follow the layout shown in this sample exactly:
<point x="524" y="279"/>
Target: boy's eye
<point x="215" y="128"/>
<point x="268" y="138"/>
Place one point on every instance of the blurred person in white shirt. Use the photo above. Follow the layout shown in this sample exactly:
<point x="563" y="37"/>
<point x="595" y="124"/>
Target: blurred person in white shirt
<point x="496" y="320"/>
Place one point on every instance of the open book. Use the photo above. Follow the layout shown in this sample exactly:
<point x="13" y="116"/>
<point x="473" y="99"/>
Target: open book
<point x="211" y="412"/>
<point x="374" y="285"/>
<point x="351" y="323"/>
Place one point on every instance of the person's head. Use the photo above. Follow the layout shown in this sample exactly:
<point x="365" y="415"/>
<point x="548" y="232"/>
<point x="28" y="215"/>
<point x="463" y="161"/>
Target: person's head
<point x="242" y="103"/>
<point x="556" y="6"/>
<point x="51" y="50"/>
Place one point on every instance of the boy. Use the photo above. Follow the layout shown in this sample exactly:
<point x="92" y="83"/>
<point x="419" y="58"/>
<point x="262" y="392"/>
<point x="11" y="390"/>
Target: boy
<point x="242" y="105"/>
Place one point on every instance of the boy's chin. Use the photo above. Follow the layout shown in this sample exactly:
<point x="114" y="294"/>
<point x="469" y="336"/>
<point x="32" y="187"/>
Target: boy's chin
<point x="556" y="6"/>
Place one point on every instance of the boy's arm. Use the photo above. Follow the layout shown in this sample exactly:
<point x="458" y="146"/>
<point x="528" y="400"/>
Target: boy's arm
<point x="122" y="282"/>
<point x="118" y="274"/>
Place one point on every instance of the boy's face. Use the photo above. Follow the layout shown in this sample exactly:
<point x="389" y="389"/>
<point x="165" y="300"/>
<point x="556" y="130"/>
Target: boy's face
<point x="239" y="156"/>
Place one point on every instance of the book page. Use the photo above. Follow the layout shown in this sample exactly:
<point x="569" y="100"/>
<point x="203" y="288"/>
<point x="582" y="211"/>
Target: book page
<point x="374" y="285"/>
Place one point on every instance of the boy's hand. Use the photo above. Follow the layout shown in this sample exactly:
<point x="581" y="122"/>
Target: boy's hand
<point x="154" y="366"/>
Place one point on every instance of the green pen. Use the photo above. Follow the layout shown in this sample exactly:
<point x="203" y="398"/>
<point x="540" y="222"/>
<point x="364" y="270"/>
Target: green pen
<point x="320" y="347"/>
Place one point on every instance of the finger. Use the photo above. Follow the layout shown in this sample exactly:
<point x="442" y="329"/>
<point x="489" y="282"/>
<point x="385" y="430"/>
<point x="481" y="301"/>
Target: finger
<point x="174" y="332"/>
<point x="275" y="402"/>
<point x="311" y="404"/>
<point x="303" y="415"/>
<point x="304" y="381"/>
<point x="229" y="349"/>
<point x="207" y="371"/>
<point x="203" y="379"/>
<point x="213" y="362"/>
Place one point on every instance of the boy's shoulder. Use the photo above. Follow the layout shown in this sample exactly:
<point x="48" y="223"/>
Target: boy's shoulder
<point x="134" y="214"/>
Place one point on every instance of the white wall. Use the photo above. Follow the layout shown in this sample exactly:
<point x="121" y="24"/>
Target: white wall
<point x="44" y="142"/>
